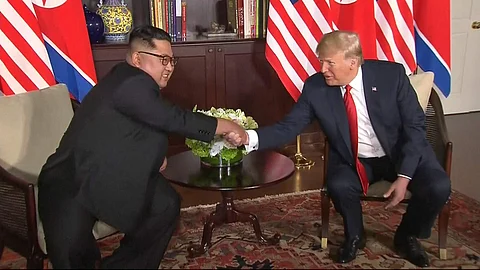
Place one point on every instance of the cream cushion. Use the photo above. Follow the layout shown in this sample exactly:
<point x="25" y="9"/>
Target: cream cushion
<point x="32" y="125"/>
<point x="422" y="83"/>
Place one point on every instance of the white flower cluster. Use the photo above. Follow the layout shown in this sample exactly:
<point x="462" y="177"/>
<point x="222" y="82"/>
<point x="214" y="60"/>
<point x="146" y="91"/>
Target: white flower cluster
<point x="238" y="116"/>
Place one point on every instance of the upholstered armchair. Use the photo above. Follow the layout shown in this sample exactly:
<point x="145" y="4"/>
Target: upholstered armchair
<point x="442" y="146"/>
<point x="31" y="126"/>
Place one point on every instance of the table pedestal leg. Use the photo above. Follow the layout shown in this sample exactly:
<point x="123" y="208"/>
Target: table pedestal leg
<point x="226" y="212"/>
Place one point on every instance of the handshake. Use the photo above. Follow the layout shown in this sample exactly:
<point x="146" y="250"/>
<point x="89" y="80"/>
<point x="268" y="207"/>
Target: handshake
<point x="232" y="132"/>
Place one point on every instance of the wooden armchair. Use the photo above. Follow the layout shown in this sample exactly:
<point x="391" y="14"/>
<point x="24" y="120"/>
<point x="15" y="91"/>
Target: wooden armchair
<point x="438" y="138"/>
<point x="31" y="125"/>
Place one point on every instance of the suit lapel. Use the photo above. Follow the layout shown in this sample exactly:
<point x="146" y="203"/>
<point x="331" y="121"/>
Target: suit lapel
<point x="373" y="99"/>
<point x="340" y="115"/>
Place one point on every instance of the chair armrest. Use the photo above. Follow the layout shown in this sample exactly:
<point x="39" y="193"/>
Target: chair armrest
<point x="11" y="179"/>
<point x="438" y="136"/>
<point x="440" y="117"/>
<point x="18" y="215"/>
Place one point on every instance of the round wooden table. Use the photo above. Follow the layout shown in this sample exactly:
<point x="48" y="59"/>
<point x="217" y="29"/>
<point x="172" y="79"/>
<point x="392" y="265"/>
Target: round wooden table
<point x="258" y="169"/>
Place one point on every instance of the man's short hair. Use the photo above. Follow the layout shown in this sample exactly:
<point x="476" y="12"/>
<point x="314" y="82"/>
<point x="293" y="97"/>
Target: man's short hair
<point x="145" y="35"/>
<point x="341" y="41"/>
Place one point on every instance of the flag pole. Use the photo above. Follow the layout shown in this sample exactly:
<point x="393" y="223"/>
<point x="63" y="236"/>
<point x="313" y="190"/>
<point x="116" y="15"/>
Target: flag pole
<point x="300" y="161"/>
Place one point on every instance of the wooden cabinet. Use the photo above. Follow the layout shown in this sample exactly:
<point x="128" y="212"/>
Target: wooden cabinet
<point x="232" y="74"/>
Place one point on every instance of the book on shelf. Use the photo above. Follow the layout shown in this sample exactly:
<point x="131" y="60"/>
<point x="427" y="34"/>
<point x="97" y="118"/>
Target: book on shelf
<point x="169" y="15"/>
<point x="247" y="17"/>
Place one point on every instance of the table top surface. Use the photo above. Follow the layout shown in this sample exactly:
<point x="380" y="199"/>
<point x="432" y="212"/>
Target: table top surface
<point x="258" y="169"/>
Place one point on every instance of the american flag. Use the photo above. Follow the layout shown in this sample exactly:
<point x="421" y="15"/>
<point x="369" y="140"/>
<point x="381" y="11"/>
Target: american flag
<point x="394" y="31"/>
<point x="44" y="42"/>
<point x="293" y="31"/>
<point x="295" y="27"/>
<point x="24" y="62"/>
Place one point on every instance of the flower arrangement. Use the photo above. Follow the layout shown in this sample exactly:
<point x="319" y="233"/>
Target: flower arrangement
<point x="219" y="152"/>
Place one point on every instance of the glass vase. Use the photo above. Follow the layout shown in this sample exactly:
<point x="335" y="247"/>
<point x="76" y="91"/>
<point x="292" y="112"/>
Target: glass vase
<point x="218" y="162"/>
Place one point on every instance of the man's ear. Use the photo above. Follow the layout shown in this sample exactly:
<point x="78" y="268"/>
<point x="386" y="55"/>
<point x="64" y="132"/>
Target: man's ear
<point x="135" y="57"/>
<point x="353" y="62"/>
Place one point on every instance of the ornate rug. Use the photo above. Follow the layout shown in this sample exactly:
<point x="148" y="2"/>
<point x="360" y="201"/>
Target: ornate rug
<point x="293" y="216"/>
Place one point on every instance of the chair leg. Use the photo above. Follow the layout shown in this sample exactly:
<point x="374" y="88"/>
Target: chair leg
<point x="325" y="218"/>
<point x="35" y="260"/>
<point x="2" y="243"/>
<point x="443" y="230"/>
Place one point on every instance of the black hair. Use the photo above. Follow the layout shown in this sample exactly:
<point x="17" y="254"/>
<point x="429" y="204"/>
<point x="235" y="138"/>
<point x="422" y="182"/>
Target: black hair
<point x="146" y="34"/>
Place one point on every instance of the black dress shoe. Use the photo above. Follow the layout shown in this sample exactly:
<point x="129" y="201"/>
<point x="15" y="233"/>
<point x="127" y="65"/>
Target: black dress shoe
<point x="348" y="251"/>
<point x="409" y="248"/>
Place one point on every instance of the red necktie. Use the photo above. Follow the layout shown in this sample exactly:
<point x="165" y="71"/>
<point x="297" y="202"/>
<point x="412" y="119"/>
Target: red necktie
<point x="353" y="124"/>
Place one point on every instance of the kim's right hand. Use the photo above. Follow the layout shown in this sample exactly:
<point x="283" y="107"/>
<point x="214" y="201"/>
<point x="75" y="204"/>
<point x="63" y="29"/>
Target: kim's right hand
<point x="233" y="132"/>
<point x="237" y="139"/>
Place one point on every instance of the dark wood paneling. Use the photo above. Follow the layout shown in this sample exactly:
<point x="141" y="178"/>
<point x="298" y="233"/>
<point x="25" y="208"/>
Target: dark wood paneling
<point x="247" y="81"/>
<point x="107" y="56"/>
<point x="140" y="12"/>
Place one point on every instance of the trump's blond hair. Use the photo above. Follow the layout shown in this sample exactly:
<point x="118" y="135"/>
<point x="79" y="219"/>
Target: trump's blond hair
<point x="341" y="41"/>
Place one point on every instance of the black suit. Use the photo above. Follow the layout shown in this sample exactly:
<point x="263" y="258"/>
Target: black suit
<point x="106" y="168"/>
<point x="399" y="124"/>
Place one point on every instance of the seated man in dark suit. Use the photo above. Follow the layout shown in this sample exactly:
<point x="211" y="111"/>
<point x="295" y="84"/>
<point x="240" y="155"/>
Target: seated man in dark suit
<point x="107" y="164"/>
<point x="376" y="129"/>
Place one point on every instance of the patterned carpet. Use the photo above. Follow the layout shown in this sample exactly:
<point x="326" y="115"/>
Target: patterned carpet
<point x="293" y="216"/>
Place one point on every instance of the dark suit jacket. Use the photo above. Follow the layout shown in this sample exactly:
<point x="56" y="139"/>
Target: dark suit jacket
<point x="394" y="110"/>
<point x="111" y="153"/>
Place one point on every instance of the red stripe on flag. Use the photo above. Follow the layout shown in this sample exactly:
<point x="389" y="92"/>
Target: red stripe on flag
<point x="27" y="51"/>
<point x="384" y="43"/>
<point x="294" y="32"/>
<point x="27" y="16"/>
<point x="308" y="19"/>
<point x="325" y="10"/>
<point x="407" y="16"/>
<point x="4" y="88"/>
<point x="284" y="78"/>
<point x="292" y="59"/>
<point x="398" y="39"/>
<point x="16" y="72"/>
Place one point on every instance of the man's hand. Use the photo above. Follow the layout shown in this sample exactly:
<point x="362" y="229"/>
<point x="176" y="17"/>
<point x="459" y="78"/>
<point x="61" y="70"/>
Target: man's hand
<point x="164" y="165"/>
<point x="237" y="139"/>
<point x="225" y="126"/>
<point x="232" y="132"/>
<point x="398" y="188"/>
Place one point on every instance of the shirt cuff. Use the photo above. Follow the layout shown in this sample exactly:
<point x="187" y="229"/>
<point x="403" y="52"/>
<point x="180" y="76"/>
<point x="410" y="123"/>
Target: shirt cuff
<point x="404" y="176"/>
<point x="252" y="141"/>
